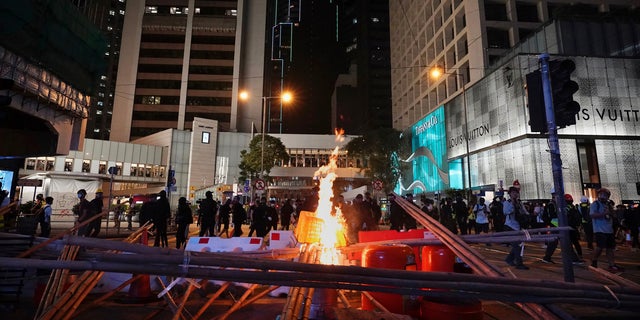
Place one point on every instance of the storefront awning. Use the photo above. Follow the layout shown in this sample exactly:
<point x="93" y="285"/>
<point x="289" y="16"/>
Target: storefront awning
<point x="30" y="182"/>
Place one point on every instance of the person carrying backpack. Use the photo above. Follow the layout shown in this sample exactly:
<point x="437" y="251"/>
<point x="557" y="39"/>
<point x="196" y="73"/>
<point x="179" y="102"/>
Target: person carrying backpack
<point x="45" y="226"/>
<point x="587" y="224"/>
<point x="239" y="216"/>
<point x="574" y="220"/>
<point x="96" y="209"/>
<point x="497" y="216"/>
<point x="482" y="213"/>
<point x="512" y="208"/>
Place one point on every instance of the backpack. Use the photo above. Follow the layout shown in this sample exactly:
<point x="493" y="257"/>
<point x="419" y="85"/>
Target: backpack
<point x="549" y="213"/>
<point x="574" y="217"/>
<point x="496" y="212"/>
<point x="584" y="212"/>
<point x="522" y="217"/>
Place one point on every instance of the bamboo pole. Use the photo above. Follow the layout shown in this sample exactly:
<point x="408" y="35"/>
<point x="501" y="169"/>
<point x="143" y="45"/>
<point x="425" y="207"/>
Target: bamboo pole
<point x="335" y="275"/>
<point x="199" y="261"/>
<point x="308" y="301"/>
<point x="212" y="299"/>
<point x="287" y="311"/>
<point x="112" y="292"/>
<point x="468" y="254"/>
<point x="68" y="302"/>
<point x="376" y="303"/>
<point x="403" y="282"/>
<point x="616" y="279"/>
<point x="300" y="301"/>
<point x="65" y="301"/>
<point x="238" y="303"/>
<point x="59" y="236"/>
<point x="169" y="299"/>
<point x="343" y="299"/>
<point x="47" y="296"/>
<point x="259" y="296"/>
<point x="185" y="297"/>
<point x="57" y="281"/>
<point x="83" y="292"/>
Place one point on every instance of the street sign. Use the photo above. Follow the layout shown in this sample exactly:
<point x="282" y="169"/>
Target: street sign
<point x="247" y="185"/>
<point x="260" y="184"/>
<point x="377" y="185"/>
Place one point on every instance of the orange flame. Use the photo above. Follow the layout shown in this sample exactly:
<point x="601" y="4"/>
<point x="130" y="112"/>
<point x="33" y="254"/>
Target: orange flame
<point x="332" y="233"/>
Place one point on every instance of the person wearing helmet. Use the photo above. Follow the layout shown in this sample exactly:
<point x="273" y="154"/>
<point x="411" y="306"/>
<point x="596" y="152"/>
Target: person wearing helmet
<point x="587" y="225"/>
<point x="601" y="214"/>
<point x="550" y="220"/>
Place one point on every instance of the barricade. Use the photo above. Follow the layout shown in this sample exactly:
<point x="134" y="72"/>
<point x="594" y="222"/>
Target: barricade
<point x="382" y="235"/>
<point x="396" y="256"/>
<point x="218" y="244"/>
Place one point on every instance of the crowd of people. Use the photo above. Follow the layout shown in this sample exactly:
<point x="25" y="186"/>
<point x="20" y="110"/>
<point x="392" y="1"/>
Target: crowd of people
<point x="599" y="221"/>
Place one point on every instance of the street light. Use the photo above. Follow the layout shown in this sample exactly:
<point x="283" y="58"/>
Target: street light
<point x="435" y="73"/>
<point x="284" y="97"/>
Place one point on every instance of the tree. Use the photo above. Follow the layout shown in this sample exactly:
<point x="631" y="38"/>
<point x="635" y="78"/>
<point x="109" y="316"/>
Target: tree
<point x="378" y="148"/>
<point x="251" y="161"/>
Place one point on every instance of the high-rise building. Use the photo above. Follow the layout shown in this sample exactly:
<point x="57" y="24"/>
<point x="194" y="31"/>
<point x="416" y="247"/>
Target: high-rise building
<point x="176" y="63"/>
<point x="108" y="15"/>
<point x="181" y="59"/>
<point x="311" y="73"/>
<point x="472" y="128"/>
<point x="362" y="95"/>
<point x="464" y="38"/>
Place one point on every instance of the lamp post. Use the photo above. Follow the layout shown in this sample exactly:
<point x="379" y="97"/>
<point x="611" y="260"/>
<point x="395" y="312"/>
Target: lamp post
<point x="436" y="73"/>
<point x="285" y="97"/>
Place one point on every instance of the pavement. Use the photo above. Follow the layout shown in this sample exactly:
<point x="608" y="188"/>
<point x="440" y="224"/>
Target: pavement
<point x="121" y="306"/>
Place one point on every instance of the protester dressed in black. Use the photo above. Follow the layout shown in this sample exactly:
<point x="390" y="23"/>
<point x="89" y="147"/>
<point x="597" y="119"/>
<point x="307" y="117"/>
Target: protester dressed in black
<point x="184" y="217"/>
<point x="160" y="215"/>
<point x="207" y="215"/>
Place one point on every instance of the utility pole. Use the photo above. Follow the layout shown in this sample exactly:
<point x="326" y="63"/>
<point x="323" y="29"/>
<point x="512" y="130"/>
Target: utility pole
<point x="556" y="167"/>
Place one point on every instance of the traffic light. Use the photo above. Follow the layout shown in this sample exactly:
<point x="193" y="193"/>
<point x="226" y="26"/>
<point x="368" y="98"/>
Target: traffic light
<point x="535" y="100"/>
<point x="5" y="84"/>
<point x="563" y="88"/>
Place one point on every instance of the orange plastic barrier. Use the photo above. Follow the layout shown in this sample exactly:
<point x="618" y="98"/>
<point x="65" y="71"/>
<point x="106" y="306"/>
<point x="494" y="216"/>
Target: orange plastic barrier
<point x="397" y="256"/>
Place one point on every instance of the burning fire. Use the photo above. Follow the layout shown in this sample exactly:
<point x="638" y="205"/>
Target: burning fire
<point x="332" y="233"/>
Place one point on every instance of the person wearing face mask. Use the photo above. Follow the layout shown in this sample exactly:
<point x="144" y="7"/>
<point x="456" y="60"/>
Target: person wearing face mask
<point x="429" y="208"/>
<point x="482" y="216"/>
<point x="97" y="205"/>
<point x="602" y="219"/>
<point x="83" y="209"/>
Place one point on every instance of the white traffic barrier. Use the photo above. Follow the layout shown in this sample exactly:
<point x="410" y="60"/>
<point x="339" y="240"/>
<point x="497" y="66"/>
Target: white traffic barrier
<point x="217" y="244"/>
<point x="280" y="239"/>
